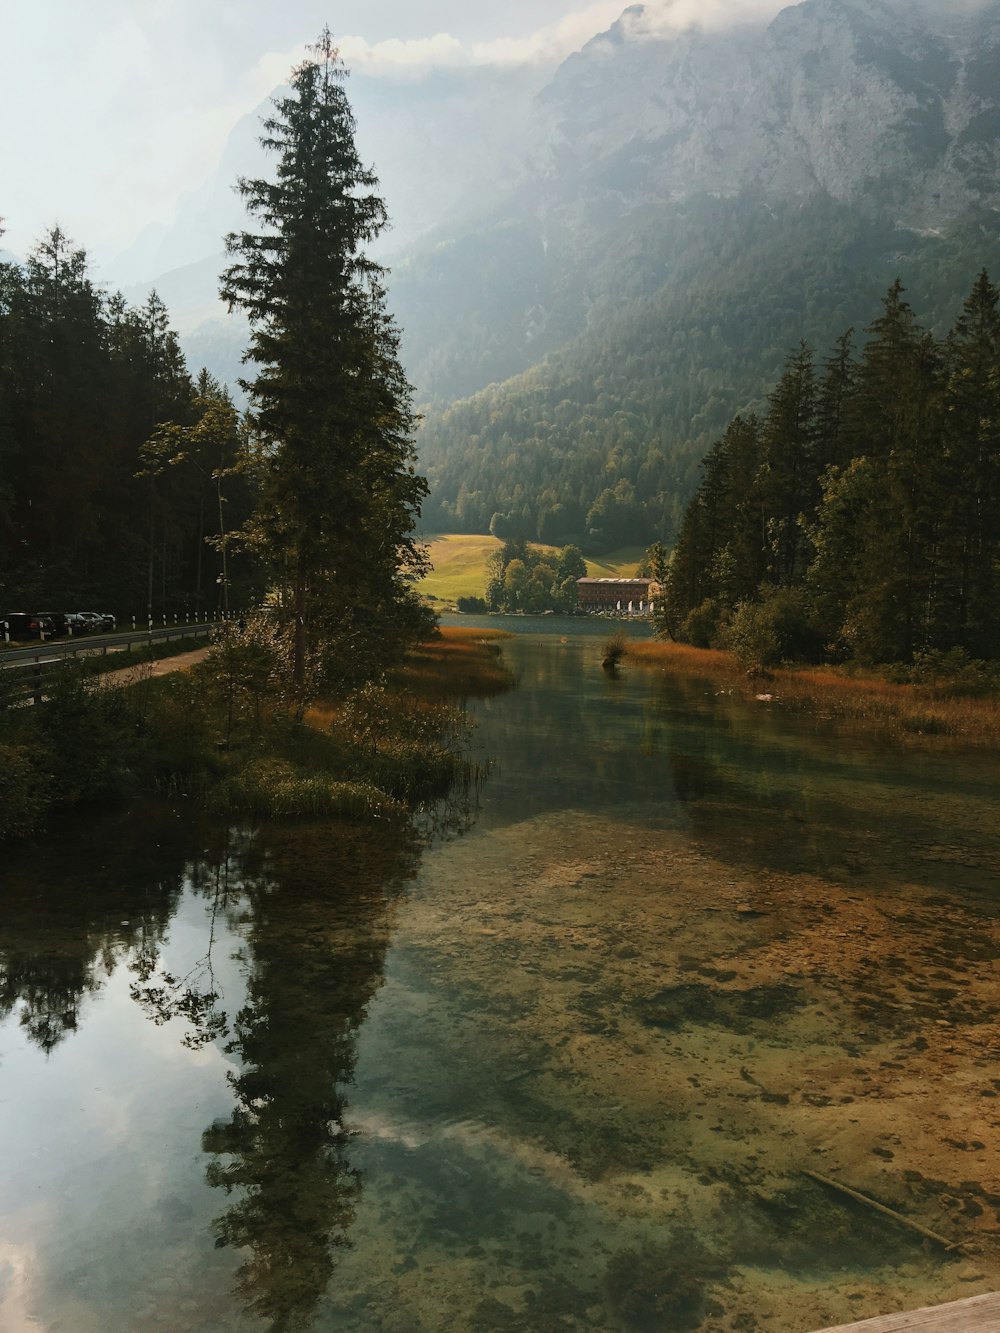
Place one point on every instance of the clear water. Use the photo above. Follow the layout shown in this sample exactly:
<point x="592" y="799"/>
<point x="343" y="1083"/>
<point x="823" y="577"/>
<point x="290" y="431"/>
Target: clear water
<point x="565" y="1071"/>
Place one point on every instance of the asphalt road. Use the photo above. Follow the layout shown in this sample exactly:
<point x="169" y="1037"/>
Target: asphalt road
<point x="90" y="644"/>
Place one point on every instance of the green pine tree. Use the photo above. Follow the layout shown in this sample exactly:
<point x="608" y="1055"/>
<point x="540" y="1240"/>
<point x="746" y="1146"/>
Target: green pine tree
<point x="331" y="406"/>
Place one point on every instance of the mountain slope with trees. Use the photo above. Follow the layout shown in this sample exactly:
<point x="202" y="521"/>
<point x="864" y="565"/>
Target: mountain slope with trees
<point x="702" y="202"/>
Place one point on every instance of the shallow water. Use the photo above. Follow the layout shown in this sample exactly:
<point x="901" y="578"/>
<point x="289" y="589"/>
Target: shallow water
<point x="567" y="1070"/>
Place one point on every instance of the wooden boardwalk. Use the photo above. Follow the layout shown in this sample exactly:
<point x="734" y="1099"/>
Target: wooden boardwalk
<point x="977" y="1314"/>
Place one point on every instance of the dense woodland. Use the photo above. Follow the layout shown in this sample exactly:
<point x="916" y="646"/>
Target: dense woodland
<point x="686" y="316"/>
<point x="90" y="510"/>
<point x="857" y="516"/>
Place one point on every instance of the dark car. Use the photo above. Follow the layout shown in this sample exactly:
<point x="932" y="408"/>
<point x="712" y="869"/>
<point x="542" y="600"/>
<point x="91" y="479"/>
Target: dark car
<point x="27" y="625"/>
<point x="60" y="622"/>
<point x="67" y="622"/>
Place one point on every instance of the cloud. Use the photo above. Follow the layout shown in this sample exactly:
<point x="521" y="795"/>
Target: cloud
<point x="545" y="45"/>
<point x="662" y="17"/>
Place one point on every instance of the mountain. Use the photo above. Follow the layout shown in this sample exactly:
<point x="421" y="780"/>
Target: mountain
<point x="445" y="145"/>
<point x="706" y="200"/>
<point x="596" y="266"/>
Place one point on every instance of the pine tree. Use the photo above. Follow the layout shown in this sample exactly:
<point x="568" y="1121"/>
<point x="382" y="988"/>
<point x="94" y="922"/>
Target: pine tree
<point x="895" y="418"/>
<point x="834" y="443"/>
<point x="331" y="405"/>
<point x="787" y="479"/>
<point x="972" y="451"/>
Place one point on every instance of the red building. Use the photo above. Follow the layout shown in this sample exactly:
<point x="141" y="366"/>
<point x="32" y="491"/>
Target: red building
<point x="627" y="596"/>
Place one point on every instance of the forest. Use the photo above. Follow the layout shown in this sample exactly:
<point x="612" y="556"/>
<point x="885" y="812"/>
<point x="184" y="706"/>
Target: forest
<point x="685" y="318"/>
<point x="95" y="505"/>
<point x="857" y="515"/>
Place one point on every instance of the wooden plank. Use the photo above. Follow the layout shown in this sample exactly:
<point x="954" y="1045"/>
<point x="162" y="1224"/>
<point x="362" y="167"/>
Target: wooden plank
<point x="977" y="1314"/>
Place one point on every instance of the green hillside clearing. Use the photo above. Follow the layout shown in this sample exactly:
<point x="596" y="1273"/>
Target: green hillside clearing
<point x="460" y="565"/>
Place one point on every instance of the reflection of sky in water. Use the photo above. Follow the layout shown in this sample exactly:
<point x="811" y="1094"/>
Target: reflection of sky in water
<point x="108" y="1129"/>
<point x="691" y="946"/>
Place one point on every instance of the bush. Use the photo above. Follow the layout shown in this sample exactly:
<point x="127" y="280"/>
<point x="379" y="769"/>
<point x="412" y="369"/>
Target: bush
<point x="702" y="626"/>
<point x="472" y="606"/>
<point x="778" y="628"/>
<point x="25" y="792"/>
<point x="952" y="673"/>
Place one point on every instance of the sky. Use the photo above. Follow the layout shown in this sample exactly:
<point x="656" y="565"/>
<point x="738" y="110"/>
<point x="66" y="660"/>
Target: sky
<point x="114" y="108"/>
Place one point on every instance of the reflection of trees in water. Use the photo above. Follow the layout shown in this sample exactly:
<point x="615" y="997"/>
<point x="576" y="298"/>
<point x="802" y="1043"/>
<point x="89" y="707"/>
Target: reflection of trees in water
<point x="195" y="996"/>
<point x="319" y="904"/>
<point x="313" y="908"/>
<point x="76" y="906"/>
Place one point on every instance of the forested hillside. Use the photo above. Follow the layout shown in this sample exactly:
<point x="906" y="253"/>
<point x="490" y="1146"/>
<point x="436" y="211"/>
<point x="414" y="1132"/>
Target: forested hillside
<point x="87" y="514"/>
<point x="858" y="515"/>
<point x="703" y="201"/>
<point x="690" y="321"/>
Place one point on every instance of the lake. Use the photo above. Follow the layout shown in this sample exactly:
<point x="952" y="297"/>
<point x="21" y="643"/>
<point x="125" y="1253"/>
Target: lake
<point x="570" y="1055"/>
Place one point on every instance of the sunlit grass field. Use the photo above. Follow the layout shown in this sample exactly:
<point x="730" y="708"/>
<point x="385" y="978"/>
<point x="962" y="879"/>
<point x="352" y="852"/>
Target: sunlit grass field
<point x="460" y="565"/>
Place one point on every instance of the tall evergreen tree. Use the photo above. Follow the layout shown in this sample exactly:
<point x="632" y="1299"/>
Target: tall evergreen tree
<point x="972" y="451"/>
<point x="331" y="405"/>
<point x="896" y="422"/>
<point x="834" y="441"/>
<point x="788" y="472"/>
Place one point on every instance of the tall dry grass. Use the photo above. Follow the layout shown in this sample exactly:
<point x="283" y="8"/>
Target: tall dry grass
<point x="460" y="663"/>
<point x="903" y="711"/>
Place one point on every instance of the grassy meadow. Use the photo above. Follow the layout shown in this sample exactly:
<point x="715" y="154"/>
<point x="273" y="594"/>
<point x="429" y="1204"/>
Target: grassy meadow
<point x="460" y="565"/>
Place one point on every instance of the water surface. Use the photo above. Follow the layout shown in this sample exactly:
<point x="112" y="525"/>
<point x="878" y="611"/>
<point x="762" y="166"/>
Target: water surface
<point x="566" y="1070"/>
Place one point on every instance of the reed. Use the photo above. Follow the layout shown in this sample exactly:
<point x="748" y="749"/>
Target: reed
<point x="613" y="650"/>
<point x="460" y="662"/>
<point x="272" y="788"/>
<point x="907" y="712"/>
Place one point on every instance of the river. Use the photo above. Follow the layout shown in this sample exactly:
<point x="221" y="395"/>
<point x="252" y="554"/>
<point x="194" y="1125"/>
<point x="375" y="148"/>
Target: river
<point x="559" y="1061"/>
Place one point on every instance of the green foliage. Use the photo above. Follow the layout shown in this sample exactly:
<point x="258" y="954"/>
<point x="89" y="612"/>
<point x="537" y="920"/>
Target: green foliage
<point x="653" y="341"/>
<point x="472" y="606"/>
<point x="952" y="674"/>
<point x="777" y="628"/>
<point x="273" y="788"/>
<point x="704" y="625"/>
<point x="339" y="495"/>
<point x="858" y="516"/>
<point x="25" y="790"/>
<point x="523" y="578"/>
<point x="85" y="380"/>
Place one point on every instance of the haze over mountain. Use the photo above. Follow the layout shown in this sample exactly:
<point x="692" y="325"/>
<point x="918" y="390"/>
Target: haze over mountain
<point x="625" y="248"/>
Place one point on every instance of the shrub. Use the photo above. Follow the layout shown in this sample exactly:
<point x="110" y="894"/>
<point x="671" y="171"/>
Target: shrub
<point x="952" y="673"/>
<point x="25" y="791"/>
<point x="778" y="628"/>
<point x="702" y="626"/>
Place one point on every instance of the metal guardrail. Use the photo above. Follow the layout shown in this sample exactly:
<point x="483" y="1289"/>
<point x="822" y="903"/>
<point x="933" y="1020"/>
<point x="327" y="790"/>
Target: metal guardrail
<point x="25" y="671"/>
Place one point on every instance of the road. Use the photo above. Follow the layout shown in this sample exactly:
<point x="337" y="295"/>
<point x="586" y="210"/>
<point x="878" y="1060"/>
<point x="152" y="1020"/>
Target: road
<point x="88" y="645"/>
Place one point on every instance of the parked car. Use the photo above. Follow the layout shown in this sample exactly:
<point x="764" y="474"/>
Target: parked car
<point x="109" y="621"/>
<point x="67" y="622"/>
<point x="93" y="621"/>
<point x="27" y="625"/>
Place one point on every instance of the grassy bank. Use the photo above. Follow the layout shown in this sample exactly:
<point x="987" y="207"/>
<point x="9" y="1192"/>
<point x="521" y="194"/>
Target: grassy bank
<point x="460" y="561"/>
<point x="225" y="734"/>
<point x="943" y="709"/>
